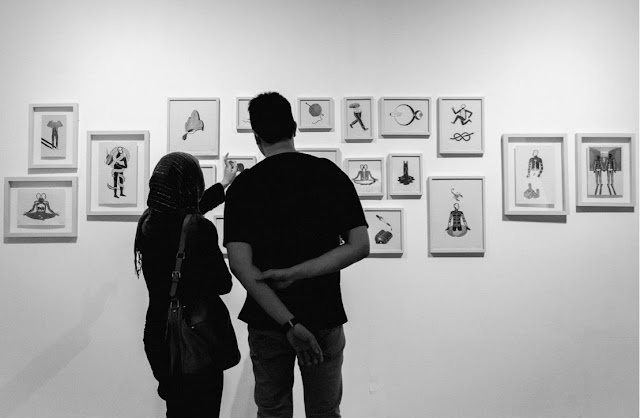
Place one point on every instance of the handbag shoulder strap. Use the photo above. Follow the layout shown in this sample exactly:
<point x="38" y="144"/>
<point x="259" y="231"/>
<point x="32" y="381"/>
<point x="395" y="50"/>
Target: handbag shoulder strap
<point x="180" y="256"/>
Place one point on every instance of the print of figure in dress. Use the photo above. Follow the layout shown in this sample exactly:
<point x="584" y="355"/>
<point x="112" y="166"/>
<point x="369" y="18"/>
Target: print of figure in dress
<point x="611" y="168"/>
<point x="383" y="236"/>
<point x="119" y="159"/>
<point x="597" y="167"/>
<point x="457" y="225"/>
<point x="40" y="209"/>
<point x="193" y="124"/>
<point x="463" y="115"/>
<point x="364" y="176"/>
<point x="535" y="165"/>
<point x="53" y="144"/>
<point x="405" y="178"/>
<point x="357" y="113"/>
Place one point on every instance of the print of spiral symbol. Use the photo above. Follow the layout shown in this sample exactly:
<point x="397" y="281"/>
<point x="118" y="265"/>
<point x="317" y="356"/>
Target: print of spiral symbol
<point x="466" y="136"/>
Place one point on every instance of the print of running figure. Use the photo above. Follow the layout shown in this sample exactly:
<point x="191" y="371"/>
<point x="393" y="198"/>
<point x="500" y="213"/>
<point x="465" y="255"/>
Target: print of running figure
<point x="604" y="160"/>
<point x="357" y="113"/>
<point x="118" y="158"/>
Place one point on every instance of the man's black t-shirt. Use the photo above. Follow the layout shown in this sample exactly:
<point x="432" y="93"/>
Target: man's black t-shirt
<point x="292" y="207"/>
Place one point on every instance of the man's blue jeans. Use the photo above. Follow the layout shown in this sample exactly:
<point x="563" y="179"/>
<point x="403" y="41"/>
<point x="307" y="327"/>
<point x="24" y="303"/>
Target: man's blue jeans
<point x="273" y="361"/>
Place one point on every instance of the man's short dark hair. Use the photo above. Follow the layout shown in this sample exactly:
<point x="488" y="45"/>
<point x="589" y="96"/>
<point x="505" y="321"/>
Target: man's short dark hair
<point x="271" y="118"/>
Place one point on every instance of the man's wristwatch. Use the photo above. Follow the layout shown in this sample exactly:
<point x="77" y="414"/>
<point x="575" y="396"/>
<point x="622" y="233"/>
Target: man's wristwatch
<point x="289" y="325"/>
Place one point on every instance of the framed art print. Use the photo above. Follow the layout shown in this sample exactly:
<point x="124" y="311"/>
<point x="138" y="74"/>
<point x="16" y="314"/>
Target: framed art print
<point x="456" y="215"/>
<point x="243" y="123"/>
<point x="218" y="222"/>
<point x="315" y="114"/>
<point x="386" y="230"/>
<point x="357" y="119"/>
<point x="461" y="126"/>
<point x="332" y="154"/>
<point x="605" y="170"/>
<point x="243" y="162"/>
<point x="194" y="126"/>
<point x="367" y="175"/>
<point x="118" y="172"/>
<point x="53" y="136"/>
<point x="405" y="175"/>
<point x="40" y="206"/>
<point x="405" y="116"/>
<point x="534" y="174"/>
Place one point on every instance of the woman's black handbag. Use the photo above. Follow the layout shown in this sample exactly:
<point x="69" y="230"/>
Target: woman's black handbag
<point x="199" y="335"/>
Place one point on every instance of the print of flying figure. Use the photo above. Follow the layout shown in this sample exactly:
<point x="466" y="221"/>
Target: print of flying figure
<point x="535" y="165"/>
<point x="118" y="158"/>
<point x="457" y="225"/>
<point x="193" y="124"/>
<point x="405" y="115"/>
<point x="597" y="168"/>
<point x="405" y="178"/>
<point x="357" y="113"/>
<point x="40" y="209"/>
<point x="364" y="176"/>
<point x="463" y="115"/>
<point x="315" y="110"/>
<point x="611" y="167"/>
<point x="53" y="144"/>
<point x="383" y="236"/>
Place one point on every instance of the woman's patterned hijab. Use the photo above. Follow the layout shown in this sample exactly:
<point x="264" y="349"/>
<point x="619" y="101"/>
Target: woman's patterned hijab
<point x="176" y="185"/>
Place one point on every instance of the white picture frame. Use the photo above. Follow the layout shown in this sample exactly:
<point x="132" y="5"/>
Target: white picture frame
<point x="246" y="161"/>
<point x="367" y="175"/>
<point x="108" y="152"/>
<point x="605" y="161"/>
<point x="243" y="123"/>
<point x="404" y="117"/>
<point x="218" y="222"/>
<point x="315" y="114"/>
<point x="386" y="230"/>
<point x="332" y="154"/>
<point x="456" y="212"/>
<point x="525" y="158"/>
<point x="40" y="207"/>
<point x="193" y="126"/>
<point x="53" y="136"/>
<point x="358" y="118"/>
<point x="461" y="126"/>
<point x="404" y="175"/>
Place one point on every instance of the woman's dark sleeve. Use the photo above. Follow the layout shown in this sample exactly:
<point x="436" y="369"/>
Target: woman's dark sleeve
<point x="216" y="275"/>
<point x="211" y="198"/>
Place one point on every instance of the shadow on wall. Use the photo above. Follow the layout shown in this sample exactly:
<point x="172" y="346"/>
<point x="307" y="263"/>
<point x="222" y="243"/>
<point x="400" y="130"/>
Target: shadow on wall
<point x="244" y="405"/>
<point x="52" y="360"/>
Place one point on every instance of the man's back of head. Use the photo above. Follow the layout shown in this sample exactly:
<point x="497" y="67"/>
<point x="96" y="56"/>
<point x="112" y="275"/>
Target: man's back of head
<point x="271" y="117"/>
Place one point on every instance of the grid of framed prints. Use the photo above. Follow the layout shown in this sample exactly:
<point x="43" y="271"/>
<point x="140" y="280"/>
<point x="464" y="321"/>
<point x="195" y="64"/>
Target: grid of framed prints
<point x="461" y="126"/>
<point x="405" y="116"/>
<point x="405" y="175"/>
<point x="315" y="114"/>
<point x="605" y="173"/>
<point x="243" y="123"/>
<point x="193" y="126"/>
<point x="53" y="136"/>
<point x="357" y="119"/>
<point x="367" y="175"/>
<point x="534" y="174"/>
<point x="456" y="215"/>
<point x="118" y="172"/>
<point x="332" y="154"/>
<point x="40" y="206"/>
<point x="218" y="222"/>
<point x="386" y="230"/>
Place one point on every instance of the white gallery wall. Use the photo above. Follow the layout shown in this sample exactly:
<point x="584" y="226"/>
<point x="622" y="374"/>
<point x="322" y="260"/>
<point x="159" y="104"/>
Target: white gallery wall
<point x="544" y="325"/>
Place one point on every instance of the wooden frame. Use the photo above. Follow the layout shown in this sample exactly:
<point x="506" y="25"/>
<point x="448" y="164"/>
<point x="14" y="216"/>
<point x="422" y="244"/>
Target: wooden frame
<point x="461" y="132"/>
<point x="333" y="154"/>
<point x="54" y="211"/>
<point x="524" y="192"/>
<point x="365" y="178"/>
<point x="619" y="189"/>
<point x="404" y="116"/>
<point x="460" y="231"/>
<point x="401" y="184"/>
<point x="352" y="129"/>
<point x="218" y="222"/>
<point x="193" y="125"/>
<point x="243" y="124"/>
<point x="384" y="224"/>
<point x="315" y="114"/>
<point x="60" y="151"/>
<point x="100" y="172"/>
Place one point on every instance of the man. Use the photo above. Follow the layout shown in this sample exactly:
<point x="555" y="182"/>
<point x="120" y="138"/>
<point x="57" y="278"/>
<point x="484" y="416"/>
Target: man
<point x="284" y="221"/>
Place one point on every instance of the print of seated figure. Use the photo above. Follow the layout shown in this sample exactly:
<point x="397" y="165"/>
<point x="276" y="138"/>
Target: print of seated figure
<point x="457" y="225"/>
<point x="41" y="209"/>
<point x="119" y="159"/>
<point x="364" y="176"/>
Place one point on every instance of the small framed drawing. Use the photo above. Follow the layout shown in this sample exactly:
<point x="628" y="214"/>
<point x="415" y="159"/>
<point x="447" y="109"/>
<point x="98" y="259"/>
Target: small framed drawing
<point x="118" y="172"/>
<point x="36" y="207"/>
<point x="315" y="114"/>
<point x="218" y="222"/>
<point x="209" y="172"/>
<point x="405" y="116"/>
<point x="386" y="230"/>
<point x="534" y="169"/>
<point x="357" y="119"/>
<point x="605" y="170"/>
<point x="461" y="126"/>
<point x="367" y="175"/>
<point x="243" y="123"/>
<point x="194" y="126"/>
<point x="53" y="136"/>
<point x="243" y="163"/>
<point x="405" y="175"/>
<point x="456" y="215"/>
<point x="332" y="154"/>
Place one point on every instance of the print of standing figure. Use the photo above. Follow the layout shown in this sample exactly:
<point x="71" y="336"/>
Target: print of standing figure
<point x="119" y="159"/>
<point x="53" y="144"/>
<point x="611" y="168"/>
<point x="357" y="112"/>
<point x="597" y="167"/>
<point x="535" y="166"/>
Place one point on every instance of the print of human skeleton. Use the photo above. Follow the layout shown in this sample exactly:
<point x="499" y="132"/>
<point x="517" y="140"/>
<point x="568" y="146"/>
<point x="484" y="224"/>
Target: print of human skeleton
<point x="364" y="177"/>
<point x="193" y="124"/>
<point x="118" y="159"/>
<point x="535" y="165"/>
<point x="357" y="113"/>
<point x="383" y="236"/>
<point x="41" y="209"/>
<point x="53" y="144"/>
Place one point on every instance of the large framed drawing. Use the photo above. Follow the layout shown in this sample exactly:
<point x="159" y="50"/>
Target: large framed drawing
<point x="243" y="123"/>
<point x="461" y="126"/>
<point x="40" y="206"/>
<point x="405" y="175"/>
<point x="367" y="175"/>
<point x="534" y="170"/>
<point x="405" y="116"/>
<point x="315" y="114"/>
<point x="332" y="154"/>
<point x="218" y="222"/>
<point x="53" y="136"/>
<point x="456" y="215"/>
<point x="386" y="230"/>
<point x="243" y="162"/>
<point x="118" y="172"/>
<point x="357" y="119"/>
<point x="605" y="170"/>
<point x="193" y="126"/>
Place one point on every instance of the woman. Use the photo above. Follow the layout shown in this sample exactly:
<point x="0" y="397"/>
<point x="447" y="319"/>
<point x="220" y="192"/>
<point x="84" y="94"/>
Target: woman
<point x="175" y="190"/>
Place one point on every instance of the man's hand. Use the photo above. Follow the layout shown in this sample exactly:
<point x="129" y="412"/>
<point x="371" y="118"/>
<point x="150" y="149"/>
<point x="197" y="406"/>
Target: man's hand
<point x="278" y="279"/>
<point x="305" y="344"/>
<point x="230" y="172"/>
